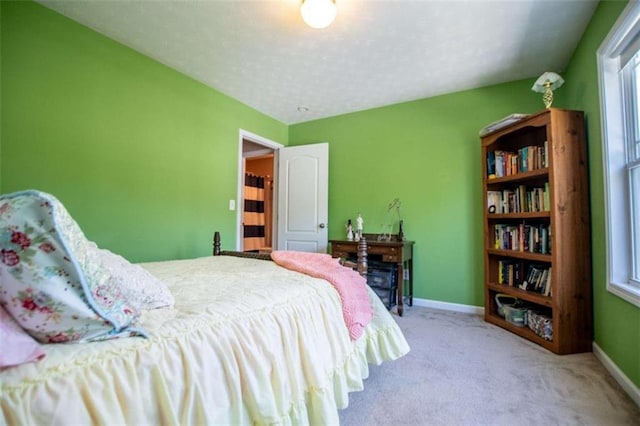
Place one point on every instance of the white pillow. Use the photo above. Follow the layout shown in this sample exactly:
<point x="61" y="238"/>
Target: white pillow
<point x="142" y="290"/>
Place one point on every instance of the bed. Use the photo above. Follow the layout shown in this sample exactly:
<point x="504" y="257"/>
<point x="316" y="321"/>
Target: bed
<point x="245" y="341"/>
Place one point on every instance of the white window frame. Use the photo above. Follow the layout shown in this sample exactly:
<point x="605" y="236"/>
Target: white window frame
<point x="623" y="37"/>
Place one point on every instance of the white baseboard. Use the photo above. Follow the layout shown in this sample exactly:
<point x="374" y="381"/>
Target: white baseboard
<point x="446" y="306"/>
<point x="629" y="387"/>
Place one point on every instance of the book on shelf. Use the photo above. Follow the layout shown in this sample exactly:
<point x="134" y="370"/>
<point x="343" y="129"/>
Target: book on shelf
<point x="519" y="200"/>
<point x="491" y="165"/>
<point x="538" y="279"/>
<point x="542" y="282"/>
<point x="510" y="272"/>
<point x="494" y="201"/>
<point x="547" y="286"/>
<point x="502" y="163"/>
<point x="532" y="158"/>
<point x="547" y="204"/>
<point x="523" y="238"/>
<point x="499" y="163"/>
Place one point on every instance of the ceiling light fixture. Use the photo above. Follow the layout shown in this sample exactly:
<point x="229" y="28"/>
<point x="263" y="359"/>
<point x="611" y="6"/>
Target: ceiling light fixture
<point x="318" y="13"/>
<point x="546" y="84"/>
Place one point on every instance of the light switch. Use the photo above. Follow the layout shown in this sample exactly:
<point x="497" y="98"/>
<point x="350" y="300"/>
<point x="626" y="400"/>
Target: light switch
<point x="232" y="204"/>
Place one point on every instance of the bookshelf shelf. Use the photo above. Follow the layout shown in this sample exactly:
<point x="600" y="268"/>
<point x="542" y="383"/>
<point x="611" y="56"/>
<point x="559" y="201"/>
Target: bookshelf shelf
<point x="523" y="215"/>
<point x="522" y="294"/>
<point x="522" y="176"/>
<point x="537" y="227"/>
<point x="522" y="331"/>
<point x="535" y="257"/>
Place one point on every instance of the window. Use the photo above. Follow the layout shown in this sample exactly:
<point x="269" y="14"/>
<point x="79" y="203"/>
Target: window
<point x="631" y="79"/>
<point x="619" y="75"/>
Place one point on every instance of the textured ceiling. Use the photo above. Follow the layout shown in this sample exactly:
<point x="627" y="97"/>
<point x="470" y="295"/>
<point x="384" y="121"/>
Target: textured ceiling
<point x="376" y="53"/>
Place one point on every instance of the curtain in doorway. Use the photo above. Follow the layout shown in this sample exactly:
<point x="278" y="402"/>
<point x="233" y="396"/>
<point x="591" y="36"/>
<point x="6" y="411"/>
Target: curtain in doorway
<point x="254" y="217"/>
<point x="268" y="211"/>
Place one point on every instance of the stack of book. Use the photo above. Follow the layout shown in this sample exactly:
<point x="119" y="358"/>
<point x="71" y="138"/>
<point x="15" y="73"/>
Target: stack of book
<point x="528" y="238"/>
<point x="519" y="200"/>
<point x="510" y="272"/>
<point x="507" y="163"/>
<point x="537" y="278"/>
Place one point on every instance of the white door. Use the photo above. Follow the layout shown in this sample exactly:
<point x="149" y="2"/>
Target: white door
<point x="303" y="186"/>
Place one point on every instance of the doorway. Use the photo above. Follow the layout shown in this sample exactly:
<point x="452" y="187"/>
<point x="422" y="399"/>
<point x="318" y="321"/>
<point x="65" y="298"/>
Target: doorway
<point x="299" y="194"/>
<point x="257" y="219"/>
<point x="257" y="193"/>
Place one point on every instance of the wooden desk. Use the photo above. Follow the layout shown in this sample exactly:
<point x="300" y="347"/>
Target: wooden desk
<point x="398" y="252"/>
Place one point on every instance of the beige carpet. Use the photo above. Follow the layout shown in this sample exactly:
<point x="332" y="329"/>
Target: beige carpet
<point x="463" y="371"/>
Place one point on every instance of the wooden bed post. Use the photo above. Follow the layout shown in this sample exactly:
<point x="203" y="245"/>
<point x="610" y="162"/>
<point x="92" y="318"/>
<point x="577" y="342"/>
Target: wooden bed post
<point x="362" y="257"/>
<point x="216" y="243"/>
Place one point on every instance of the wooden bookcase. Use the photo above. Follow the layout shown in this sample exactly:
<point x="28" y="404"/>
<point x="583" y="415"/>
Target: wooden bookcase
<point x="541" y="221"/>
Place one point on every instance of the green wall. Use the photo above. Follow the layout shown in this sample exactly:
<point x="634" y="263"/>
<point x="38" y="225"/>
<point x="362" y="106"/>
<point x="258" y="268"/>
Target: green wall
<point x="144" y="158"/>
<point x="616" y="322"/>
<point x="427" y="153"/>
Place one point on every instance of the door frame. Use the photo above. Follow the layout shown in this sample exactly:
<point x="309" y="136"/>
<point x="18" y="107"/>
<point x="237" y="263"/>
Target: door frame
<point x="270" y="146"/>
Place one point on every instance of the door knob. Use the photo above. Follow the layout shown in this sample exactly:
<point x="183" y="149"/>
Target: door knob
<point x="322" y="225"/>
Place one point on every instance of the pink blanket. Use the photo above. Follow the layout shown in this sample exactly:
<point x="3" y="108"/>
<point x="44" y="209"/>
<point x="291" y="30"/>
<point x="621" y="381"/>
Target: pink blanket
<point x="356" y="306"/>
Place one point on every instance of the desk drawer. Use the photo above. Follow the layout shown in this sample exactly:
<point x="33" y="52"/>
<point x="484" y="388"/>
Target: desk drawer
<point x="373" y="249"/>
<point x="391" y="258"/>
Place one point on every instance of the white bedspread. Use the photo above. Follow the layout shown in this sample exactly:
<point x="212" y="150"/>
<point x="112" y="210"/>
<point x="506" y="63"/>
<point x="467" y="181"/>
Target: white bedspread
<point x="250" y="343"/>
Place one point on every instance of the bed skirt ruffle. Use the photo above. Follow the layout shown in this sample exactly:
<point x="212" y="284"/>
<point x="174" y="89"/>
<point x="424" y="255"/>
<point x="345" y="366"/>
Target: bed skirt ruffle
<point x="273" y="352"/>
